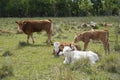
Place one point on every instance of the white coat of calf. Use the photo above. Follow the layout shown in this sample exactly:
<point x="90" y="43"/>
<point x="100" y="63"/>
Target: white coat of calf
<point x="72" y="55"/>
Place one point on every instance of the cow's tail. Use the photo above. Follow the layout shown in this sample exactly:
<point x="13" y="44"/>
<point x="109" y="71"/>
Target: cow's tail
<point x="107" y="36"/>
<point x="51" y="28"/>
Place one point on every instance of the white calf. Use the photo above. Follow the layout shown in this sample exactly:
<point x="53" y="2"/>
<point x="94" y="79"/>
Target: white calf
<point x="72" y="55"/>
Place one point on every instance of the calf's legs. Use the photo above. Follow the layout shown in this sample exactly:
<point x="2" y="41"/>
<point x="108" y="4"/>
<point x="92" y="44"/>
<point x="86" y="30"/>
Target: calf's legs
<point x="106" y="47"/>
<point x="85" y="45"/>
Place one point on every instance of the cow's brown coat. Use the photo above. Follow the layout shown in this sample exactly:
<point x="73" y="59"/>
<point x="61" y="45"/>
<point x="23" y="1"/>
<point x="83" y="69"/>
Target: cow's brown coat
<point x="30" y="26"/>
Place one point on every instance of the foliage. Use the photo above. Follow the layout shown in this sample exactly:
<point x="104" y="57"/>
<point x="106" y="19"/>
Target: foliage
<point x="117" y="47"/>
<point x="58" y="8"/>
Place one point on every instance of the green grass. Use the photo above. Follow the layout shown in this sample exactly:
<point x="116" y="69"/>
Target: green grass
<point x="20" y="61"/>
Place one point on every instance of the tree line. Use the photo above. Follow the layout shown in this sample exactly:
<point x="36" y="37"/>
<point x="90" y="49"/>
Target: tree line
<point x="58" y="8"/>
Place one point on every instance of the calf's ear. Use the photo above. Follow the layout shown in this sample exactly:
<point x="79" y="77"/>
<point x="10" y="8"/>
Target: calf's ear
<point x="72" y="47"/>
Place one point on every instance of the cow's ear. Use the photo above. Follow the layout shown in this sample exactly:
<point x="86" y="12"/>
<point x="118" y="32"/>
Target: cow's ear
<point x="24" y="23"/>
<point x="79" y="34"/>
<point x="70" y="45"/>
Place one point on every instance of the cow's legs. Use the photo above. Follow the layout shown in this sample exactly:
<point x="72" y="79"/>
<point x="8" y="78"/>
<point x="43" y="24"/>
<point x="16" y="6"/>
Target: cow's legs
<point x="32" y="39"/>
<point x="28" y="36"/>
<point x="49" y="37"/>
<point x="85" y="45"/>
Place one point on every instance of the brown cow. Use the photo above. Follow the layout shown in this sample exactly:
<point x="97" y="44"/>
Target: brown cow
<point x="101" y="35"/>
<point x="59" y="46"/>
<point x="30" y="26"/>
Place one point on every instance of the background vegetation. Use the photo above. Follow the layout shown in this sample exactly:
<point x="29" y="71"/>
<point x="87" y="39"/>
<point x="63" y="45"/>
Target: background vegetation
<point x="58" y="8"/>
<point x="20" y="61"/>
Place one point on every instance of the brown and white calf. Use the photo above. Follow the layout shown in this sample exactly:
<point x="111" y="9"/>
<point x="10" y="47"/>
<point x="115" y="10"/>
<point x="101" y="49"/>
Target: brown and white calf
<point x="31" y="26"/>
<point x="101" y="35"/>
<point x="59" y="46"/>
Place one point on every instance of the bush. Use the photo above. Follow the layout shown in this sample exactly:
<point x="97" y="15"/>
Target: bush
<point x="117" y="47"/>
<point x="7" y="53"/>
<point x="83" y="65"/>
<point x="6" y="71"/>
<point x="111" y="63"/>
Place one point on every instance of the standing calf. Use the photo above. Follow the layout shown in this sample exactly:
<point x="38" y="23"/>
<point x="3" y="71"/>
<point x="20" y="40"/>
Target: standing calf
<point x="101" y="35"/>
<point x="31" y="26"/>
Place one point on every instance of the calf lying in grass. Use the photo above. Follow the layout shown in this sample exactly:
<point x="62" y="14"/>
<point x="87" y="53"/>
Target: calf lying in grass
<point x="59" y="46"/>
<point x="72" y="55"/>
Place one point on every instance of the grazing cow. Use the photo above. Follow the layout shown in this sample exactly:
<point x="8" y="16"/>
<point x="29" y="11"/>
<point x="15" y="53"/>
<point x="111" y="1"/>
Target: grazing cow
<point x="73" y="55"/>
<point x="84" y="25"/>
<point x="30" y="26"/>
<point x="101" y="35"/>
<point x="59" y="46"/>
<point x="93" y="24"/>
<point x="106" y="24"/>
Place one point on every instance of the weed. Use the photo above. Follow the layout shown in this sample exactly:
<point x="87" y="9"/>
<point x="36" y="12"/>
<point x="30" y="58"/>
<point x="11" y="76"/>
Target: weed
<point x="117" y="47"/>
<point x="7" y="53"/>
<point x="6" y="71"/>
<point x="111" y="63"/>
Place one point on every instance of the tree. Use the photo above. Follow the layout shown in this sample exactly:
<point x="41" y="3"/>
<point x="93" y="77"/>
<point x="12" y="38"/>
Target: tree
<point x="97" y="5"/>
<point x="111" y="7"/>
<point x="3" y="4"/>
<point x="85" y="7"/>
<point x="61" y="8"/>
<point x="17" y="8"/>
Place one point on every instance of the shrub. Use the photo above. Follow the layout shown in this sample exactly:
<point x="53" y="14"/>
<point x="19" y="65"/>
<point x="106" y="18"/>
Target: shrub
<point x="83" y="65"/>
<point x="111" y="63"/>
<point x="6" y="71"/>
<point x="117" y="47"/>
<point x="7" y="53"/>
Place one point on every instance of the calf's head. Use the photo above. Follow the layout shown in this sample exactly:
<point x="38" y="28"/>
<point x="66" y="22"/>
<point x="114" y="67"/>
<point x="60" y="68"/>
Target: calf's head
<point x="77" y="38"/>
<point x="56" y="48"/>
<point x="67" y="50"/>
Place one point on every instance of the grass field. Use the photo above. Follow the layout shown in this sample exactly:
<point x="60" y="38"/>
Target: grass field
<point x="20" y="61"/>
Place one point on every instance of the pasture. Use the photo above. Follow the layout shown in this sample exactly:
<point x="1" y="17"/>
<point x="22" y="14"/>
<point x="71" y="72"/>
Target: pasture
<point x="22" y="61"/>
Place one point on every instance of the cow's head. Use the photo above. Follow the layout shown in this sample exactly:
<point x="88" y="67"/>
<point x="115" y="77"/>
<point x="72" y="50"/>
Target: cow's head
<point x="20" y="25"/>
